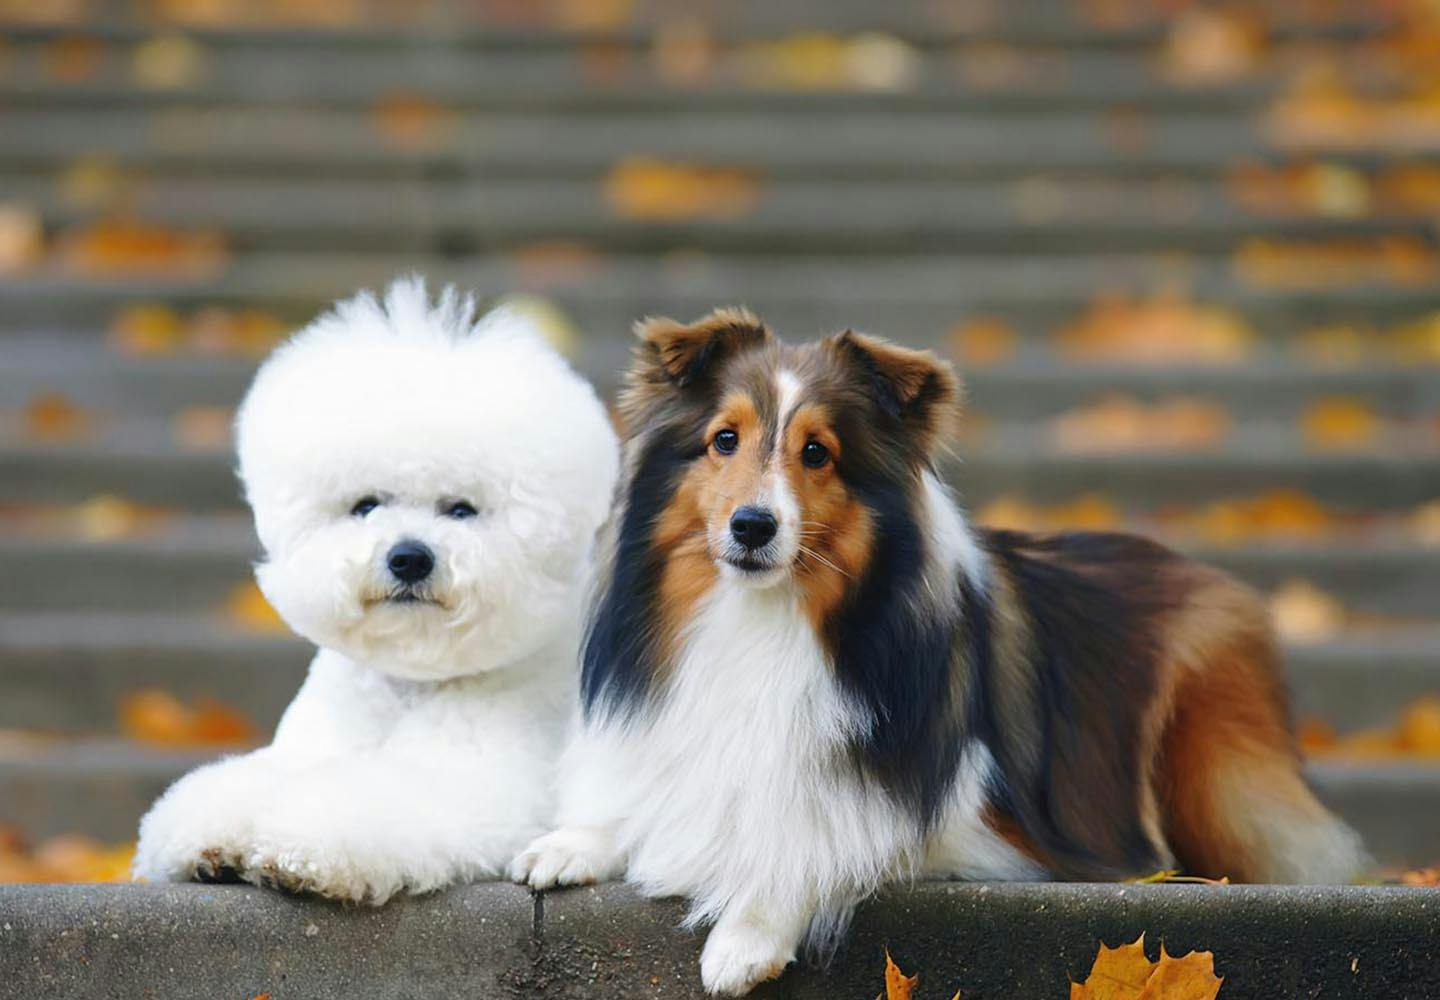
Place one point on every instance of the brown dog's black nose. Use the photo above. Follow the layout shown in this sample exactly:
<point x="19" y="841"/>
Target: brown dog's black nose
<point x="752" y="527"/>
<point x="410" y="561"/>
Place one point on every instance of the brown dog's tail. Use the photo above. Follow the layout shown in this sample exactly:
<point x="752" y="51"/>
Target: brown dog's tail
<point x="1232" y="797"/>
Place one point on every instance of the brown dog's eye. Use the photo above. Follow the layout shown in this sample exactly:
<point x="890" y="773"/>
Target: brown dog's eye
<point x="726" y="442"/>
<point x="814" y="455"/>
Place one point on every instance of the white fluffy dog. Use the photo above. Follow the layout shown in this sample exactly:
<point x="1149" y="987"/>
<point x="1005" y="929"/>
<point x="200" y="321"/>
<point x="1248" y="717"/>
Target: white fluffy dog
<point x="427" y="490"/>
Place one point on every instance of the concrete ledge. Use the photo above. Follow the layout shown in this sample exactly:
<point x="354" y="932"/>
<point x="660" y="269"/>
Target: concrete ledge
<point x="990" y="941"/>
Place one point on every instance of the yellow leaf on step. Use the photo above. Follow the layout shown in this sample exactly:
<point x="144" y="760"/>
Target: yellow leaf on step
<point x="1189" y="978"/>
<point x="1118" y="974"/>
<point x="898" y="986"/>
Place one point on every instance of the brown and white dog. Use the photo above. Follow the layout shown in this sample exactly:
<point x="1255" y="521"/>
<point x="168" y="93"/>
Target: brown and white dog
<point x="806" y="674"/>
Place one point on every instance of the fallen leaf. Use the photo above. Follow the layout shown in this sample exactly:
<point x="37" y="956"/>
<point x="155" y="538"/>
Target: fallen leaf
<point x="169" y="62"/>
<point x="91" y="183"/>
<point x="413" y="121"/>
<point x="1421" y="877"/>
<point x="807" y="61"/>
<point x="1170" y="876"/>
<point x="1117" y="973"/>
<point x="1340" y="422"/>
<point x="898" y="986"/>
<point x="1419" y="728"/>
<point x="202" y="428"/>
<point x="22" y="238"/>
<point x="106" y="517"/>
<point x="881" y="62"/>
<point x="1303" y="613"/>
<point x="1413" y="187"/>
<point x="1415" y="733"/>
<point x="684" y="52"/>
<point x="1424" y="523"/>
<point x="1163" y="330"/>
<point x="158" y="717"/>
<point x="592" y="15"/>
<point x="118" y="247"/>
<point x="1417" y="342"/>
<point x="52" y="416"/>
<point x="554" y="264"/>
<point x="213" y="723"/>
<point x="247" y="606"/>
<point x="1206" y="46"/>
<point x="1385" y="260"/>
<point x="1191" y="977"/>
<point x="1335" y="346"/>
<point x="1283" y="514"/>
<point x="1089" y="512"/>
<point x="648" y="188"/>
<point x="984" y="341"/>
<point x="147" y="329"/>
<point x="250" y="333"/>
<point x="73" y="58"/>
<point x="1323" y="189"/>
<point x="1122" y="423"/>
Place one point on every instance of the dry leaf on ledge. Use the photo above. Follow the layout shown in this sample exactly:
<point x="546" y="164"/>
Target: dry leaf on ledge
<point x="984" y="341"/>
<point x="1125" y="973"/>
<point x="52" y="417"/>
<point x="247" y="606"/>
<point x="649" y="188"/>
<point x="158" y="717"/>
<point x="1340" y="422"/>
<point x="1304" y="613"/>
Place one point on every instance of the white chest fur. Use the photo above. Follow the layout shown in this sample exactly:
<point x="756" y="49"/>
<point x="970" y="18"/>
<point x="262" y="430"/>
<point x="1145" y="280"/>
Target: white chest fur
<point x="739" y="784"/>
<point x="740" y="788"/>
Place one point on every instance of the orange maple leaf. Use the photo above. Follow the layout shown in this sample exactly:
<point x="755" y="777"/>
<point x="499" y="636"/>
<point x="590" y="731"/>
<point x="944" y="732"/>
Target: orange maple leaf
<point x="1191" y="977"/>
<point x="1118" y="973"/>
<point x="1125" y="973"/>
<point x="898" y="986"/>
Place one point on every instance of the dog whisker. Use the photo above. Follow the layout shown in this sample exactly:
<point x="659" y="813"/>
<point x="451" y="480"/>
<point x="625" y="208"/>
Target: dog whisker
<point x="806" y="550"/>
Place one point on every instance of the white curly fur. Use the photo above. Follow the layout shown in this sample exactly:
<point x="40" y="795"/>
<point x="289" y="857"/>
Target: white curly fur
<point x="420" y="750"/>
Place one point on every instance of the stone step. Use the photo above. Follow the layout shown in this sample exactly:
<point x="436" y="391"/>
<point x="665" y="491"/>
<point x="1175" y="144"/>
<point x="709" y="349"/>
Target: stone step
<point x="445" y="25"/>
<point x="823" y="139"/>
<point x="598" y="943"/>
<point x="67" y="671"/>
<point x="1036" y="383"/>
<point x="319" y="71"/>
<point x="103" y="788"/>
<point x="1036" y="212"/>
<point x="193" y="564"/>
<point x="153" y="471"/>
<point x="75" y="311"/>
<point x="639" y="284"/>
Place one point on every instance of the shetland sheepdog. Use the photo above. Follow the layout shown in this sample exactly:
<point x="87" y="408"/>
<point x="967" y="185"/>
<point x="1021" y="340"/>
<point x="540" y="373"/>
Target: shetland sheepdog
<point x="806" y="674"/>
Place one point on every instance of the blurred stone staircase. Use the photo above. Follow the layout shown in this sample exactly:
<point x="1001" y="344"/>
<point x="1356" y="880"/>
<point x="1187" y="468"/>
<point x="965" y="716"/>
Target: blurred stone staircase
<point x="1010" y="161"/>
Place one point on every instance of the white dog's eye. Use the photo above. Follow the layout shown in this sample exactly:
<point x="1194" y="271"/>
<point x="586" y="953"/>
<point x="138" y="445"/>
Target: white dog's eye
<point x="364" y="506"/>
<point x="460" y="510"/>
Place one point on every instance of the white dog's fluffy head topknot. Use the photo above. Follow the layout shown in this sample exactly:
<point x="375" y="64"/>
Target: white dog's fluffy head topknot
<point x="425" y="410"/>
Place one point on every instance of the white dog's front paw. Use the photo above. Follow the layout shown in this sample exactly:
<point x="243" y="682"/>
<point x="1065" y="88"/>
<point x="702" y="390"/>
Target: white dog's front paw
<point x="321" y="870"/>
<point x="740" y="956"/>
<point x="572" y="856"/>
<point x="202" y="828"/>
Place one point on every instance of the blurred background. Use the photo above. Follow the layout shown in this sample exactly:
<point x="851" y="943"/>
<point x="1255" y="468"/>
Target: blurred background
<point x="1184" y="254"/>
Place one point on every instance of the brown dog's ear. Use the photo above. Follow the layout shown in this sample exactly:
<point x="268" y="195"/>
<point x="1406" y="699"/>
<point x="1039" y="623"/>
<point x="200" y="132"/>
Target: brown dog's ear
<point x="915" y="387"/>
<point x="680" y="353"/>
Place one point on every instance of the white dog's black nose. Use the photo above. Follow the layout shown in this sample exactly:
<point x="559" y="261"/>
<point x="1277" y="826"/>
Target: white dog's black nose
<point x="752" y="527"/>
<point x="410" y="561"/>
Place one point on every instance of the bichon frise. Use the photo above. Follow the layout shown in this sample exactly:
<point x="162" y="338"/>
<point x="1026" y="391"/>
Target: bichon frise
<point x="427" y="490"/>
